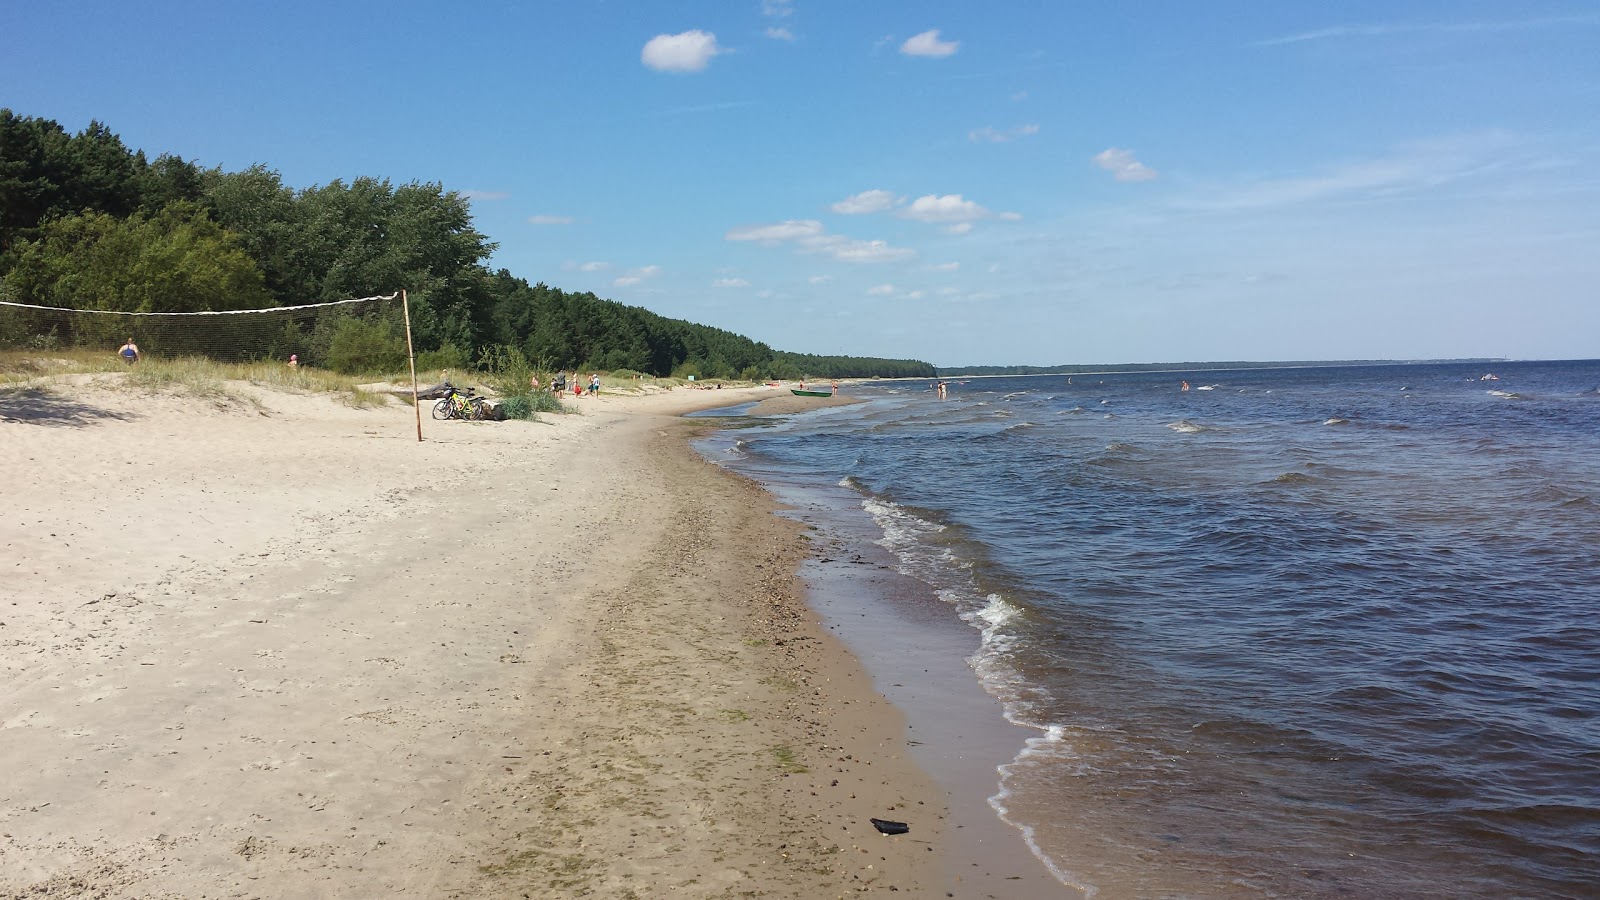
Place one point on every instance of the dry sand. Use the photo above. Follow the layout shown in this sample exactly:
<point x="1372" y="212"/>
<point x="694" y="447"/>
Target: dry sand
<point x="278" y="648"/>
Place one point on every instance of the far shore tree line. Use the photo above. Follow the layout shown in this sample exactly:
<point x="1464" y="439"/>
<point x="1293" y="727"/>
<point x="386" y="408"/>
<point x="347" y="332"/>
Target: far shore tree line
<point x="86" y="223"/>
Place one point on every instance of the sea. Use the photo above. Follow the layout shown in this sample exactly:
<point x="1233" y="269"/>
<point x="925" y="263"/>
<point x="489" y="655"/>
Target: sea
<point x="1294" y="632"/>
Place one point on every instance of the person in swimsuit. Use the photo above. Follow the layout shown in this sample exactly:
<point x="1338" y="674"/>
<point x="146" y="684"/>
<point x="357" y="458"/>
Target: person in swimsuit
<point x="129" y="352"/>
<point x="594" y="385"/>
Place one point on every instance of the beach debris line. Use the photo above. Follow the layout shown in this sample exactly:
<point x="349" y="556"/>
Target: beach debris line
<point x="885" y="826"/>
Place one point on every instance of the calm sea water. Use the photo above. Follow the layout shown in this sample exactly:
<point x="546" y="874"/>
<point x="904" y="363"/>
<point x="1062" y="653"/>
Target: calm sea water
<point x="1293" y="633"/>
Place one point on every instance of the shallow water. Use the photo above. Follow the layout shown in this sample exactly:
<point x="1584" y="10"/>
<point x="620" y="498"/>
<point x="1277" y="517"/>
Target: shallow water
<point x="1295" y="633"/>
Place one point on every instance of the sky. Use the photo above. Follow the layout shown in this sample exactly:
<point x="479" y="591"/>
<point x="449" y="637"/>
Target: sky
<point x="962" y="183"/>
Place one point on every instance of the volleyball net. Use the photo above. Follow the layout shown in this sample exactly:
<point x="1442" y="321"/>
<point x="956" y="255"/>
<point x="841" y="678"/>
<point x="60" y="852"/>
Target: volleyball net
<point x="311" y="332"/>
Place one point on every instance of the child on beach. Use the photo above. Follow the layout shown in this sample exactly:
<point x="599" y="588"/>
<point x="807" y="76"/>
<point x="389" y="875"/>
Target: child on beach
<point x="594" y="385"/>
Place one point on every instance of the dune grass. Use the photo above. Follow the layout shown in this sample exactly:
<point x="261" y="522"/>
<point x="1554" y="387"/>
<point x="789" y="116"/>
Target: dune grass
<point x="190" y="375"/>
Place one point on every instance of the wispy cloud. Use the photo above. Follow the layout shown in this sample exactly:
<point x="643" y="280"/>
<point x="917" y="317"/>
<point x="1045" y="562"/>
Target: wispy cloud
<point x="946" y="267"/>
<point x="730" y="283"/>
<point x="778" y="11"/>
<point x="572" y="266"/>
<point x="484" y="195"/>
<point x="889" y="290"/>
<point x="1337" y="32"/>
<point x="543" y="219"/>
<point x="866" y="202"/>
<point x="1410" y="168"/>
<point x="703" y="108"/>
<point x="808" y="236"/>
<point x="1122" y="165"/>
<point x="690" y="51"/>
<point x="636" y="276"/>
<point x="992" y="135"/>
<point x="928" y="44"/>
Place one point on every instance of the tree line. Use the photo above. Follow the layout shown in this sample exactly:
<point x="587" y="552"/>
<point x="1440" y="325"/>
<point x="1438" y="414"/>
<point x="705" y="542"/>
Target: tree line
<point x="87" y="223"/>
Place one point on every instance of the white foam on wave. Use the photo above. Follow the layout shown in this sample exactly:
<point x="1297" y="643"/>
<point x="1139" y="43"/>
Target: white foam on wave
<point x="907" y="536"/>
<point x="1183" y="426"/>
<point x="1050" y="743"/>
<point x="1337" y="421"/>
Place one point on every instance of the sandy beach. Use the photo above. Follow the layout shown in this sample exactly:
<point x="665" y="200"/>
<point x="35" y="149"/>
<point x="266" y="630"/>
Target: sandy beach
<point x="274" y="646"/>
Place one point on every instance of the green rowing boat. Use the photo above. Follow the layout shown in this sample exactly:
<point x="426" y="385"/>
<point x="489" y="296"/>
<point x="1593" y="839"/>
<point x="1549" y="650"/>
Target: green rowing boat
<point x="799" y="393"/>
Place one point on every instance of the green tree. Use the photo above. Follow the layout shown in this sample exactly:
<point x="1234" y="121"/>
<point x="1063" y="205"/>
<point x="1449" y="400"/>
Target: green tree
<point x="176" y="261"/>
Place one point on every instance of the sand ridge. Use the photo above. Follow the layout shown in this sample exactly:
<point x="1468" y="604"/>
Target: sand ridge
<point x="282" y="649"/>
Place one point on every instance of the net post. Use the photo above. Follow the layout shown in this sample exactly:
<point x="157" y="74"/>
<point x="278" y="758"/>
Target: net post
<point x="411" y="355"/>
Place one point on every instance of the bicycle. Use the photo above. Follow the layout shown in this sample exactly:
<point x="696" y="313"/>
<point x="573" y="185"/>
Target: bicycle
<point x="456" y="405"/>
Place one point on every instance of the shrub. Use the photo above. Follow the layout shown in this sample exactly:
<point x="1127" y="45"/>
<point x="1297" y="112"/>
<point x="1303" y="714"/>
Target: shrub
<point x="360" y="347"/>
<point x="447" y="357"/>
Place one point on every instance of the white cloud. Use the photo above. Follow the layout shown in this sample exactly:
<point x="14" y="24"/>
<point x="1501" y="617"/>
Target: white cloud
<point x="730" y="283"/>
<point x="946" y="267"/>
<point x="889" y="290"/>
<point x="635" y="276"/>
<point x="866" y="202"/>
<point x="787" y="230"/>
<point x="779" y="33"/>
<point x="777" y="9"/>
<point x="484" y="195"/>
<point x="820" y="279"/>
<point x="948" y="208"/>
<point x="928" y="44"/>
<point x="1019" y="96"/>
<point x="690" y="51"/>
<point x="993" y="135"/>
<point x="958" y="228"/>
<point x="808" y="236"/>
<point x="571" y="266"/>
<point x="1122" y="165"/>
<point x="550" y="220"/>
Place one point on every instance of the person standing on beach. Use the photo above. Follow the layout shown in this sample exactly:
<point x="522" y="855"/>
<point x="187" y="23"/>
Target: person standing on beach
<point x="559" y="384"/>
<point x="129" y="352"/>
<point x="594" y="384"/>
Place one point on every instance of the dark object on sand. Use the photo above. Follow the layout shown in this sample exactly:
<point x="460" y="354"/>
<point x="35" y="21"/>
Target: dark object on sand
<point x="887" y="827"/>
<point x="799" y="393"/>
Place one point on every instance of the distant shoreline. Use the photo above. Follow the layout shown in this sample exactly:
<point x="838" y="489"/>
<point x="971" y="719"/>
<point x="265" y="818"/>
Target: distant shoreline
<point x="1231" y="366"/>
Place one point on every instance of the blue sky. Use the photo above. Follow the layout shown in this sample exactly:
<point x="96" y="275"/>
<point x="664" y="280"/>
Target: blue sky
<point x="957" y="182"/>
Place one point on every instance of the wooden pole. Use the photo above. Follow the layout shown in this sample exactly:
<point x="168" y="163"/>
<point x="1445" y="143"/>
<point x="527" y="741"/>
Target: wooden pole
<point x="411" y="354"/>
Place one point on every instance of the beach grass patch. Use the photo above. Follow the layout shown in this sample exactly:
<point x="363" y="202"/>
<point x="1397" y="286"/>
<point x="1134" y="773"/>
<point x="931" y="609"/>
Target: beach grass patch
<point x="786" y="760"/>
<point x="780" y="683"/>
<point x="733" y="715"/>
